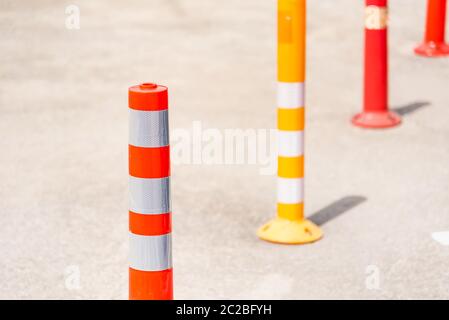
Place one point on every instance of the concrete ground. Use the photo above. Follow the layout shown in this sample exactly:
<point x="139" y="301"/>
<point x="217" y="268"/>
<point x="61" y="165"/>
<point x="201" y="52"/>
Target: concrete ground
<point x="379" y="195"/>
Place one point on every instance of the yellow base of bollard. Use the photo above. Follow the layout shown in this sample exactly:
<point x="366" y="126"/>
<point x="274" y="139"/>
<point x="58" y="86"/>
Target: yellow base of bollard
<point x="286" y="231"/>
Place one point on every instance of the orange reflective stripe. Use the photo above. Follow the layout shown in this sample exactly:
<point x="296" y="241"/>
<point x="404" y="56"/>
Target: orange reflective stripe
<point x="149" y="162"/>
<point x="150" y="285"/>
<point x="149" y="224"/>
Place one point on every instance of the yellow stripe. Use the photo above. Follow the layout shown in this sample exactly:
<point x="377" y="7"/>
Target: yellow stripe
<point x="291" y="167"/>
<point x="291" y="119"/>
<point x="291" y="40"/>
<point x="291" y="211"/>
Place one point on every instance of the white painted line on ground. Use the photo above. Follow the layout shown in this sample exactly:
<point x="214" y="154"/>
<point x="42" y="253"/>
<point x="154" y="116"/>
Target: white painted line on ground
<point x="441" y="237"/>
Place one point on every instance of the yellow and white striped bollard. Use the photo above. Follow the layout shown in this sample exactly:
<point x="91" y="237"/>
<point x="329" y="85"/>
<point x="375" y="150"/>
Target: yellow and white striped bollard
<point x="290" y="226"/>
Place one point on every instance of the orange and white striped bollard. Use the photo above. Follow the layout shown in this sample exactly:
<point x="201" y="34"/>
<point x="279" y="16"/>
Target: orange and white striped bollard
<point x="290" y="225"/>
<point x="150" y="269"/>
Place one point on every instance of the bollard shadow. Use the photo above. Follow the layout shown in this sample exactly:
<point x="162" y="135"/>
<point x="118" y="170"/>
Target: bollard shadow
<point x="411" y="107"/>
<point x="336" y="209"/>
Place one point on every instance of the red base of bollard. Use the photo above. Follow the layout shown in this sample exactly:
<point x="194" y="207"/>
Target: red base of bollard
<point x="376" y="120"/>
<point x="433" y="49"/>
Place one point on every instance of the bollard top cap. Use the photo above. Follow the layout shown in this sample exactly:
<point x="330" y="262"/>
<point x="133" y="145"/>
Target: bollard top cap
<point x="148" y="97"/>
<point x="378" y="3"/>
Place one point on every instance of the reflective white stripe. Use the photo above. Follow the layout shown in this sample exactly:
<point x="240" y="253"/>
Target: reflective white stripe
<point x="290" y="191"/>
<point x="290" y="143"/>
<point x="148" y="128"/>
<point x="290" y="95"/>
<point x="149" y="196"/>
<point x="150" y="253"/>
